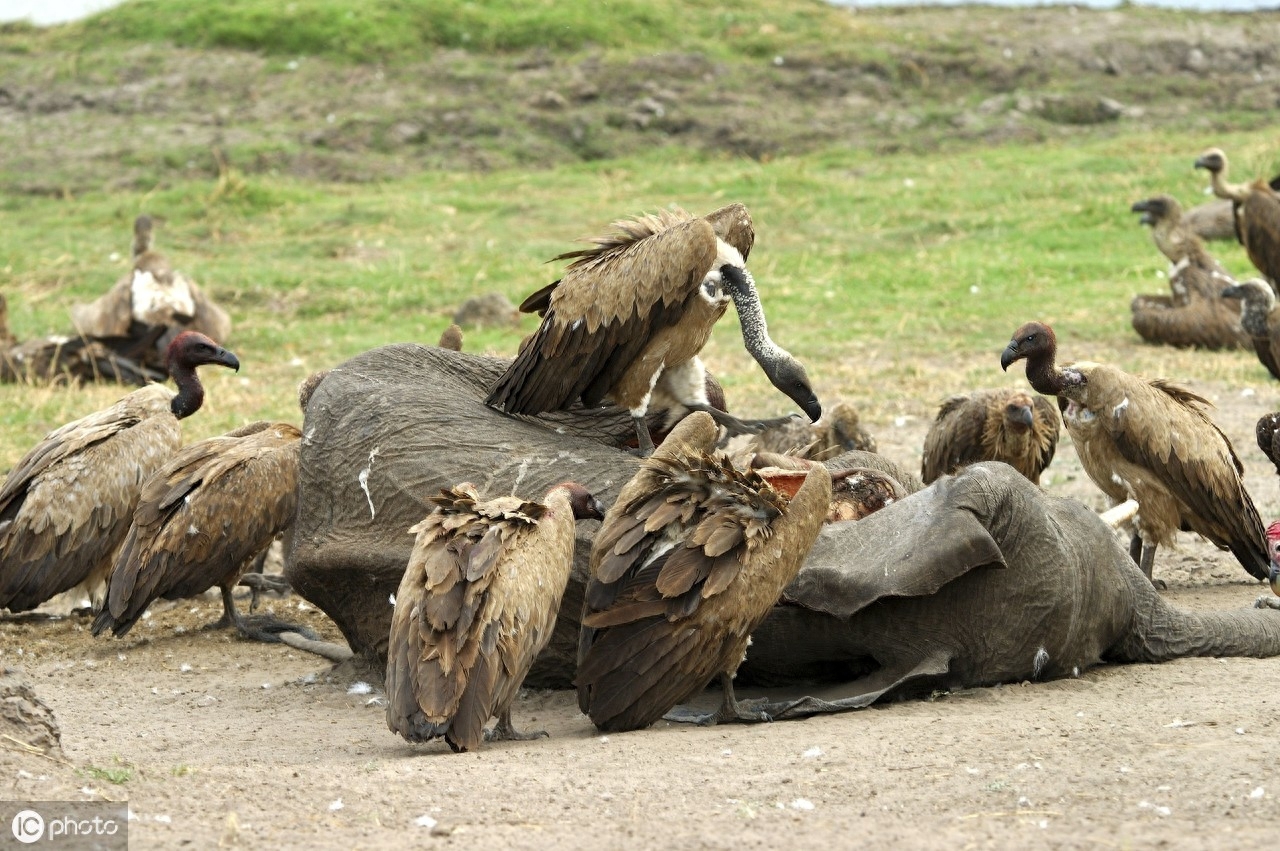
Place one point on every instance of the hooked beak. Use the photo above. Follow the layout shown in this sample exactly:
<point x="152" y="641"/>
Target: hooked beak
<point x="597" y="508"/>
<point x="1202" y="162"/>
<point x="1274" y="576"/>
<point x="1023" y="415"/>
<point x="811" y="406"/>
<point x="1145" y="209"/>
<point x="1009" y="355"/>
<point x="226" y="358"/>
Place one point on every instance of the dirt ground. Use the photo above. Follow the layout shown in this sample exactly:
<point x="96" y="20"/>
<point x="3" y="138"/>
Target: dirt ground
<point x="217" y="741"/>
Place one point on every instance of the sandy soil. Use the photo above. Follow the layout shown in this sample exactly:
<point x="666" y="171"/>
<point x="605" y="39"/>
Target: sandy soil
<point x="219" y="741"/>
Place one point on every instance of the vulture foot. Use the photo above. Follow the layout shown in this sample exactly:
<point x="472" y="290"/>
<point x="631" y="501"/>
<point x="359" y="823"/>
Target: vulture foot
<point x="261" y="628"/>
<point x="1267" y="601"/>
<point x="731" y="709"/>
<point x="736" y="426"/>
<point x="259" y="582"/>
<point x="503" y="731"/>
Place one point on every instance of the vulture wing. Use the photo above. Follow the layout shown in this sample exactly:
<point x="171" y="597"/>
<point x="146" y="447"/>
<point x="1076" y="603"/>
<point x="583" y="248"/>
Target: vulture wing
<point x="955" y="438"/>
<point x="1166" y="430"/>
<point x="1259" y="224"/>
<point x="604" y="310"/>
<point x="202" y="517"/>
<point x="65" y="507"/>
<point x="478" y="602"/>
<point x="679" y="568"/>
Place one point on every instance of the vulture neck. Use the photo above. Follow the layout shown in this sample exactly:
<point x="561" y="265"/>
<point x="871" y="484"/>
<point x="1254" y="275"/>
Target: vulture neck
<point x="1178" y="243"/>
<point x="755" y="330"/>
<point x="1042" y="373"/>
<point x="190" y="391"/>
<point x="1223" y="189"/>
<point x="1253" y="314"/>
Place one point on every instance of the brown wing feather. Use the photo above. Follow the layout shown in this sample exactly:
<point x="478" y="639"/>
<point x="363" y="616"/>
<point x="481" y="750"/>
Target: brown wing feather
<point x="955" y="438"/>
<point x="202" y="517"/>
<point x="607" y="306"/>
<point x="1047" y="427"/>
<point x="1260" y="229"/>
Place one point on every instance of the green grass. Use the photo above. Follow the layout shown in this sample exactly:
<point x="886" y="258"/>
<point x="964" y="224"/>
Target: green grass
<point x="867" y="265"/>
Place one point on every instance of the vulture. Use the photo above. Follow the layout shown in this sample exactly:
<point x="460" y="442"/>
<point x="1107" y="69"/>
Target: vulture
<point x="1194" y="314"/>
<point x="1267" y="432"/>
<point x="201" y="520"/>
<point x="992" y="425"/>
<point x="1257" y="213"/>
<point x="65" y="507"/>
<point x="628" y="318"/>
<point x="1273" y="550"/>
<point x="838" y="431"/>
<point x="477" y="604"/>
<point x="1259" y="318"/>
<point x="153" y="300"/>
<point x="451" y="338"/>
<point x="1150" y="441"/>
<point x="689" y="560"/>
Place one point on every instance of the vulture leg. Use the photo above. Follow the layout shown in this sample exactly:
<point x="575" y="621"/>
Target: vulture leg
<point x="644" y="441"/>
<point x="1148" y="562"/>
<point x="257" y="581"/>
<point x="262" y="628"/>
<point x="1135" y="550"/>
<point x="503" y="731"/>
<point x="731" y="709"/>
<point x="737" y="426"/>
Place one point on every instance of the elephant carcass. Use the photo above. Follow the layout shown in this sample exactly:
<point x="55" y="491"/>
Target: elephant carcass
<point x="391" y="427"/>
<point x="980" y="579"/>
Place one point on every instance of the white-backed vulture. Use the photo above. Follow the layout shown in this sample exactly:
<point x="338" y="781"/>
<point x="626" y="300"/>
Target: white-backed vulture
<point x="200" y="521"/>
<point x="1194" y="314"/>
<point x="477" y="604"/>
<point x="689" y="560"/>
<point x="1153" y="442"/>
<point x="153" y="300"/>
<point x="628" y="318"/>
<point x="1260" y="319"/>
<point x="1257" y="212"/>
<point x="66" y="506"/>
<point x="1002" y="424"/>
<point x="838" y="431"/>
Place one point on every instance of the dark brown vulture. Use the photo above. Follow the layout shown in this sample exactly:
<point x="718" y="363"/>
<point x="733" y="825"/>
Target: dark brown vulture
<point x="689" y="560"/>
<point x="1257" y="211"/>
<point x="1268" y="433"/>
<point x="153" y="300"/>
<point x="1194" y="314"/>
<point x="1273" y="549"/>
<point x="66" y="506"/>
<point x="1260" y="319"/>
<point x="1153" y="442"/>
<point x="477" y="604"/>
<point x="837" y="432"/>
<point x="200" y="521"/>
<point x="992" y="425"/>
<point x="451" y="339"/>
<point x="628" y="318"/>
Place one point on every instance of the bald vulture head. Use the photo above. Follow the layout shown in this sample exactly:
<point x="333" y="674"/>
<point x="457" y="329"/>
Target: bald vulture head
<point x="1157" y="209"/>
<point x="1213" y="161"/>
<point x="584" y="503"/>
<point x="189" y="350"/>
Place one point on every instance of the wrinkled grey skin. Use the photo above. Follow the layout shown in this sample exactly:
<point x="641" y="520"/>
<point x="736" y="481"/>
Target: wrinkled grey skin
<point x="958" y="585"/>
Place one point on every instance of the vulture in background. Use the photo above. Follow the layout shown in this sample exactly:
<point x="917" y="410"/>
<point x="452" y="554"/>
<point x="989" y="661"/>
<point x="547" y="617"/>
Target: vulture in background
<point x="451" y="338"/>
<point x="153" y="301"/>
<point x="1257" y="213"/>
<point x="1267" y="432"/>
<point x="627" y="320"/>
<point x="1195" y="314"/>
<point x="1273" y="550"/>
<point x="201" y="520"/>
<point x="838" y="431"/>
<point x="689" y="560"/>
<point x="1150" y="441"/>
<point x="66" y="506"/>
<point x="1260" y="319"/>
<point x="477" y="604"/>
<point x="992" y="425"/>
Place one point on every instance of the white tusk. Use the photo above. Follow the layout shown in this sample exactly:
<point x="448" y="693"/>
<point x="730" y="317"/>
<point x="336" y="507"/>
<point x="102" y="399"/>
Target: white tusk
<point x="1119" y="514"/>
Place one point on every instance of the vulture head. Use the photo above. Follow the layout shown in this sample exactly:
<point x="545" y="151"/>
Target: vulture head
<point x="189" y="350"/>
<point x="584" y="503"/>
<point x="1158" y="209"/>
<point x="1273" y="550"/>
<point x="1257" y="300"/>
<point x="1018" y="415"/>
<point x="1032" y="340"/>
<point x="141" y="235"/>
<point x="1213" y="161"/>
<point x="308" y="387"/>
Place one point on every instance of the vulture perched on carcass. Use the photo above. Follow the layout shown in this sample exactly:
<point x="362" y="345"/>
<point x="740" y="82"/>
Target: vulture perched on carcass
<point x="1257" y="213"/>
<point x="838" y="431"/>
<point x="1268" y="433"/>
<point x="689" y="560"/>
<point x="66" y="506"/>
<point x="1150" y="441"/>
<point x="1260" y="319"/>
<point x="628" y="318"/>
<point x="1194" y="314"/>
<point x="201" y="520"/>
<point x="154" y="302"/>
<point x="477" y="604"/>
<point x="1001" y="424"/>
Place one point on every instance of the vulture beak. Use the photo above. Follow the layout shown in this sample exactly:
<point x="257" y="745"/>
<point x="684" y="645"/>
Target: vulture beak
<point x="811" y="407"/>
<point x="1203" y="162"/>
<point x="1009" y="355"/>
<point x="597" y="507"/>
<point x="225" y="358"/>
<point x="1144" y="208"/>
<point x="1023" y="415"/>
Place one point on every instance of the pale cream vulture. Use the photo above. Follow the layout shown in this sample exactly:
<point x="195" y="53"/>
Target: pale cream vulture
<point x="628" y="318"/>
<point x="1260" y="319"/>
<point x="1194" y="314"/>
<point x="477" y="603"/>
<point x="1257" y="214"/>
<point x="1000" y="424"/>
<point x="66" y="506"/>
<point x="1153" y="442"/>
<point x="200" y="521"/>
<point x="687" y="563"/>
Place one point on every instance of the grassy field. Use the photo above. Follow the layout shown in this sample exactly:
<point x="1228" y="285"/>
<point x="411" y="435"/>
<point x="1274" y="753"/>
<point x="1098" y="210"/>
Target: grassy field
<point x="895" y="276"/>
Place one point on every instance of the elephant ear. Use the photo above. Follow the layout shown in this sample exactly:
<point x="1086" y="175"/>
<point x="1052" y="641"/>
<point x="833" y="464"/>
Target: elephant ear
<point x="909" y="549"/>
